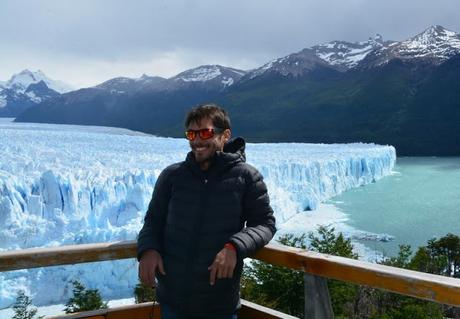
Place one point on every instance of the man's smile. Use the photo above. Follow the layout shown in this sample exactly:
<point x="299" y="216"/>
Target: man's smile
<point x="200" y="148"/>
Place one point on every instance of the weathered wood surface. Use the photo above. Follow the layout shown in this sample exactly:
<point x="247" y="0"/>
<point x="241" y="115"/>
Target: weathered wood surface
<point x="248" y="310"/>
<point x="317" y="300"/>
<point x="138" y="311"/>
<point x="63" y="255"/>
<point x="436" y="288"/>
<point x="420" y="285"/>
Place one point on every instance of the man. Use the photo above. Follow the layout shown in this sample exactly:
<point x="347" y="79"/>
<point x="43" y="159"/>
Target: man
<point x="206" y="215"/>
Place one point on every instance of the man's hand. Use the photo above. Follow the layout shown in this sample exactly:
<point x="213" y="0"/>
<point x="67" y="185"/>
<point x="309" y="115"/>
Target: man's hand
<point x="223" y="265"/>
<point x="148" y="265"/>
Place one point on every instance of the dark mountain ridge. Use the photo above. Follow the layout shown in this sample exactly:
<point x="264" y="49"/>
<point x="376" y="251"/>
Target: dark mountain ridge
<point x="399" y="93"/>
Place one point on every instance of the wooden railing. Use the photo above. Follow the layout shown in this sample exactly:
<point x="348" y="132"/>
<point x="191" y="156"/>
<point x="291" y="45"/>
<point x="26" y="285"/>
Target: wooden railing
<point x="317" y="267"/>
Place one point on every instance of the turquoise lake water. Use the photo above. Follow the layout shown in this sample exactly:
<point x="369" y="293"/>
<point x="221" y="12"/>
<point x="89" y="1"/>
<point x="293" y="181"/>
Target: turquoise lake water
<point x="419" y="201"/>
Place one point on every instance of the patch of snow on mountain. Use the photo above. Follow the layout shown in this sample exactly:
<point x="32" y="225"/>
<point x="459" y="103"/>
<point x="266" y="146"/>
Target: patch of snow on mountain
<point x="357" y="55"/>
<point x="33" y="97"/>
<point x="59" y="86"/>
<point x="268" y="65"/>
<point x="239" y="72"/>
<point x="345" y="53"/>
<point x="264" y="68"/>
<point x="3" y="100"/>
<point x="201" y="74"/>
<point x="227" y="81"/>
<point x="124" y="80"/>
<point x="144" y="77"/>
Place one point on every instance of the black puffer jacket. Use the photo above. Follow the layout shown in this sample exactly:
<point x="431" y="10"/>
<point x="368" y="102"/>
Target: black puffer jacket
<point x="192" y="214"/>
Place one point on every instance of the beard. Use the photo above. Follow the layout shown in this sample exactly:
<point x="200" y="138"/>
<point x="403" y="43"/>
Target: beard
<point x="204" y="151"/>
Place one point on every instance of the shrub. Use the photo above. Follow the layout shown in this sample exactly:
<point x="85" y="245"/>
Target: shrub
<point x="84" y="299"/>
<point x="21" y="307"/>
<point x="143" y="293"/>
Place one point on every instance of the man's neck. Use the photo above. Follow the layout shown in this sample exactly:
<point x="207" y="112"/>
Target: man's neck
<point x="205" y="165"/>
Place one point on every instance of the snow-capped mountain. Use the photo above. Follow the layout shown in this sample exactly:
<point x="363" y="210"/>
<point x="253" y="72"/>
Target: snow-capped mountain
<point x="370" y="99"/>
<point x="21" y="81"/>
<point x="214" y="76"/>
<point x="436" y="44"/>
<point x="209" y="77"/>
<point x="125" y="99"/>
<point x="26" y="89"/>
<point x="123" y="85"/>
<point x="347" y="55"/>
<point x="338" y="55"/>
<point x="294" y="64"/>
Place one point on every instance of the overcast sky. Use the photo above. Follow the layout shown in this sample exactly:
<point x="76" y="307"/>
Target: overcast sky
<point x="85" y="42"/>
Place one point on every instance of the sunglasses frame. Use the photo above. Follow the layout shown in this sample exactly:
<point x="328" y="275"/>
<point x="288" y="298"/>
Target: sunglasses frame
<point x="201" y="132"/>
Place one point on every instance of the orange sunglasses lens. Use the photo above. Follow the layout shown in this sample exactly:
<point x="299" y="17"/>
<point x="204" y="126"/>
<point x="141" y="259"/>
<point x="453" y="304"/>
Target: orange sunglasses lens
<point x="190" y="135"/>
<point x="204" y="134"/>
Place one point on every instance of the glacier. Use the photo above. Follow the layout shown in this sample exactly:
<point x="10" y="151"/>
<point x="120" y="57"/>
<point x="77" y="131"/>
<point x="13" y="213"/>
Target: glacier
<point x="68" y="184"/>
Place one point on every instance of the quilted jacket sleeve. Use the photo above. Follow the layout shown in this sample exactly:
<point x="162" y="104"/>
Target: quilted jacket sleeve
<point x="260" y="222"/>
<point x="151" y="234"/>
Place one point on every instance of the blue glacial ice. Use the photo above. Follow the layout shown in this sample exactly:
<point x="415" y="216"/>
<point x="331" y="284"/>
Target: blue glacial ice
<point x="64" y="184"/>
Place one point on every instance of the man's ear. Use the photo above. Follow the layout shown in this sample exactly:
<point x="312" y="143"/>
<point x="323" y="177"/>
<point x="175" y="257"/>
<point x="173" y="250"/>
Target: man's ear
<point x="227" y="135"/>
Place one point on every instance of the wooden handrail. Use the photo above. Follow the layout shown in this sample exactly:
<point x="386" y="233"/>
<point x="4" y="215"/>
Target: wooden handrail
<point x="64" y="255"/>
<point x="144" y="310"/>
<point x="436" y="288"/>
<point x="441" y="289"/>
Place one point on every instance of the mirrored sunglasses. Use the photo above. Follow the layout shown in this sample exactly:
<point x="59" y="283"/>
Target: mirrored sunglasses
<point x="204" y="133"/>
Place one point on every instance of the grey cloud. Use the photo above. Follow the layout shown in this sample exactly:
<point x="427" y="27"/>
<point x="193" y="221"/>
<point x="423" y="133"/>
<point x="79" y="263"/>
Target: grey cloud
<point x="238" y="30"/>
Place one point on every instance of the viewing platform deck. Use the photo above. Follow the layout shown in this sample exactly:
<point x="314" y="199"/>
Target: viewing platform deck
<point x="317" y="269"/>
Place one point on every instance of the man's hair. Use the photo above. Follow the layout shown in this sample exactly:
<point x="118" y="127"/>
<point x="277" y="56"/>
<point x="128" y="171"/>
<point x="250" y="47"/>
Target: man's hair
<point x="215" y="113"/>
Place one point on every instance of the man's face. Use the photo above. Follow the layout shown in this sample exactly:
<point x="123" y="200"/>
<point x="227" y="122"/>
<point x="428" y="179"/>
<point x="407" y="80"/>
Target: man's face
<point x="204" y="150"/>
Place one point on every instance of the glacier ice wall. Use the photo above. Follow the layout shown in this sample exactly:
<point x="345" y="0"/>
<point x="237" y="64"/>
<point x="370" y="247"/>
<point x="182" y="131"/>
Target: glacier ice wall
<point x="64" y="184"/>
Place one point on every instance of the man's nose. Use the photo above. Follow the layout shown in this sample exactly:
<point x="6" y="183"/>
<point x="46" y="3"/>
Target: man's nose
<point x="198" y="138"/>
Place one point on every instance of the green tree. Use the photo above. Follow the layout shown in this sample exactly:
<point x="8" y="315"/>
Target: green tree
<point x="273" y="286"/>
<point x="402" y="260"/>
<point x="84" y="299"/>
<point x="143" y="293"/>
<point x="385" y="305"/>
<point x="328" y="242"/>
<point x="440" y="256"/>
<point x="283" y="289"/>
<point x="21" y="307"/>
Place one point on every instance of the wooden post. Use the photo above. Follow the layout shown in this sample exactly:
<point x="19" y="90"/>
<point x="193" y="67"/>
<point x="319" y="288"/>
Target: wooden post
<point x="317" y="299"/>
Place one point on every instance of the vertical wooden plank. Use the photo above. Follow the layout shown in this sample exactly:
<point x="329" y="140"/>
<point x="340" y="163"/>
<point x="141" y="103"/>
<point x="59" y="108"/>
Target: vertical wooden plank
<point x="317" y="299"/>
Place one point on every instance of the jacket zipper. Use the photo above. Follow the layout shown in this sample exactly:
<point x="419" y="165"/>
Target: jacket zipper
<point x="194" y="244"/>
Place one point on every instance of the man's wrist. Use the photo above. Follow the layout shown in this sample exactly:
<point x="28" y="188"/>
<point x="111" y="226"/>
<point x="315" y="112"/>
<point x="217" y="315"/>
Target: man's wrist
<point x="230" y="246"/>
<point x="148" y="252"/>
